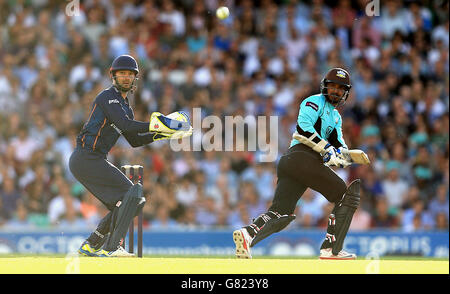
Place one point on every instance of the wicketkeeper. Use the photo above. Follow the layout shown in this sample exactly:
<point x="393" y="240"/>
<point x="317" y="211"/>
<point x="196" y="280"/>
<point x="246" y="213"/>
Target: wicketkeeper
<point x="316" y="145"/>
<point x="111" y="116"/>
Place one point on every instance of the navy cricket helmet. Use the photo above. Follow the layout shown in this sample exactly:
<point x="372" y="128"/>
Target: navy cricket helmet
<point x="124" y="62"/>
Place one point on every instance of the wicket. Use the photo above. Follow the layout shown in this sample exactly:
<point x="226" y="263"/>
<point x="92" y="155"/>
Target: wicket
<point x="136" y="174"/>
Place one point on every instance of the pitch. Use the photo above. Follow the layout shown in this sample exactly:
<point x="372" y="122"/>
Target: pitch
<point x="73" y="264"/>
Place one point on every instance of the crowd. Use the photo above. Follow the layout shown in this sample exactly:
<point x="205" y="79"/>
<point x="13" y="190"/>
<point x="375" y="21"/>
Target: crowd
<point x="261" y="61"/>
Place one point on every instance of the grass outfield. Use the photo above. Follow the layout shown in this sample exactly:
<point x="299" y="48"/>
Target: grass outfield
<point x="218" y="265"/>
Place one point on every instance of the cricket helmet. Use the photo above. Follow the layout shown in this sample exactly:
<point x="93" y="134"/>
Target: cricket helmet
<point x="337" y="76"/>
<point x="124" y="62"/>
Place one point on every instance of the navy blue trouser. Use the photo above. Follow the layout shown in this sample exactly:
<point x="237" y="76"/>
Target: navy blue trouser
<point x="105" y="181"/>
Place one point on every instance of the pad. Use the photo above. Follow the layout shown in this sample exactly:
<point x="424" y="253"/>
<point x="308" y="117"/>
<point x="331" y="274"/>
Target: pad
<point x="343" y="212"/>
<point x="268" y="223"/>
<point x="330" y="237"/>
<point x="123" y="215"/>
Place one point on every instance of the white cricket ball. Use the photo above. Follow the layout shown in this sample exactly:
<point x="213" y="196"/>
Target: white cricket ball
<point x="222" y="12"/>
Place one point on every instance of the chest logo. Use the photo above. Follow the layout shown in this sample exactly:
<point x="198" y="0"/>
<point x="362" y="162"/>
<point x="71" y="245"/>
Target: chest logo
<point x="113" y="101"/>
<point x="328" y="131"/>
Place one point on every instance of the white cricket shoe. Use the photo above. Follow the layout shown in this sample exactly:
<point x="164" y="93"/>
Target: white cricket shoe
<point x="242" y="240"/>
<point x="343" y="255"/>
<point x="120" y="252"/>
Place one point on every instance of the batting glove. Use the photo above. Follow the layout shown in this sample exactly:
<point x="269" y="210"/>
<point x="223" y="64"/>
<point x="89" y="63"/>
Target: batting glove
<point x="335" y="157"/>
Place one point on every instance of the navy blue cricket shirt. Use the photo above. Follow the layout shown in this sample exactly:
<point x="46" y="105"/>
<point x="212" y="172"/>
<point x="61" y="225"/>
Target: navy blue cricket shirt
<point x="110" y="117"/>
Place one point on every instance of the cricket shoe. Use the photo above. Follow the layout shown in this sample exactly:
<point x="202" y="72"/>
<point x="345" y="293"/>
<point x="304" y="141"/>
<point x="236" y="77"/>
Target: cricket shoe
<point x="119" y="252"/>
<point x="86" y="249"/>
<point x="242" y="240"/>
<point x="342" y="255"/>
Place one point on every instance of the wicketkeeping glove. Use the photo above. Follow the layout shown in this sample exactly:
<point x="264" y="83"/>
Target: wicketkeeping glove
<point x="165" y="127"/>
<point x="162" y="124"/>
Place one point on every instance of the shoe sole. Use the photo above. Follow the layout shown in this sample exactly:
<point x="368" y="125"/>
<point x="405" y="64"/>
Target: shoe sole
<point x="338" y="258"/>
<point x="86" y="253"/>
<point x="241" y="252"/>
<point x="103" y="256"/>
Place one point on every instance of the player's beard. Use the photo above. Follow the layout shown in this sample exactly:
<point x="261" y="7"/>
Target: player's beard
<point x="336" y="100"/>
<point x="122" y="86"/>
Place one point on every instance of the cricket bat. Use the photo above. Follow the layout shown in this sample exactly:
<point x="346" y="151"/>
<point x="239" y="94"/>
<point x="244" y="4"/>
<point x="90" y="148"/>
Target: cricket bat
<point x="358" y="156"/>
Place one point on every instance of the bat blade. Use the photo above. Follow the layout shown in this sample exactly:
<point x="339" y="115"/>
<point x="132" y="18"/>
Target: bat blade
<point x="358" y="156"/>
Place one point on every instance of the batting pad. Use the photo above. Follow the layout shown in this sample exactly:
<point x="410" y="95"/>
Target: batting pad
<point x="125" y="212"/>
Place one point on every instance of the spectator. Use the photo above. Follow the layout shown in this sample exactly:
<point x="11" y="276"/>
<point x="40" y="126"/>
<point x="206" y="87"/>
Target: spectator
<point x="20" y="221"/>
<point x="382" y="218"/>
<point x="249" y="195"/>
<point x="441" y="221"/>
<point x="63" y="201"/>
<point x="71" y="218"/>
<point x="23" y="145"/>
<point x="393" y="18"/>
<point x="9" y="197"/>
<point x="206" y="212"/>
<point x="309" y="209"/>
<point x="185" y="193"/>
<point x="393" y="186"/>
<point x="417" y="218"/>
<point x="262" y="179"/>
<point x="163" y="219"/>
<point x="440" y="204"/>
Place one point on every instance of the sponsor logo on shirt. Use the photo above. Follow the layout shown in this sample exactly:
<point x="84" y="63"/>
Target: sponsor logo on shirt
<point x="312" y="105"/>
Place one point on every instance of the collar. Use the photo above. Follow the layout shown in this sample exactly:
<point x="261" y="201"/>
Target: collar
<point x="119" y="94"/>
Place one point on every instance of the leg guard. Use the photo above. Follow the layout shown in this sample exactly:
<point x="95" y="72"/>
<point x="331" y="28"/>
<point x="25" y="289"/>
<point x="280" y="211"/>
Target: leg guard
<point x="330" y="238"/>
<point x="266" y="224"/>
<point x="123" y="215"/>
<point x="98" y="237"/>
<point x="344" y="211"/>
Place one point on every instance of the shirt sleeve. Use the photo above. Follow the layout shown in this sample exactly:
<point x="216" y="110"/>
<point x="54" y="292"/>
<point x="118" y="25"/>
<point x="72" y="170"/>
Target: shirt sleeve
<point x="137" y="140"/>
<point x="115" y="114"/>
<point x="308" y="116"/>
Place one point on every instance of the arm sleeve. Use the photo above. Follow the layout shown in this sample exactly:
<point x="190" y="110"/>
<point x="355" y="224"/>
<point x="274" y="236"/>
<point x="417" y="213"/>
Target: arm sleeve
<point x="137" y="140"/>
<point x="307" y="118"/>
<point x="115" y="114"/>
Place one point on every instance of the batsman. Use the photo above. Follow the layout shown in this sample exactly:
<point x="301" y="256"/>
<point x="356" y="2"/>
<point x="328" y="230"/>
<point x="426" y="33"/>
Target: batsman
<point x="110" y="117"/>
<point x="317" y="145"/>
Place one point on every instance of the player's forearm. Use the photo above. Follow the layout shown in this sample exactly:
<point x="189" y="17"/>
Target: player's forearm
<point x="138" y="140"/>
<point x="132" y="126"/>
